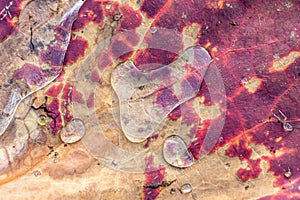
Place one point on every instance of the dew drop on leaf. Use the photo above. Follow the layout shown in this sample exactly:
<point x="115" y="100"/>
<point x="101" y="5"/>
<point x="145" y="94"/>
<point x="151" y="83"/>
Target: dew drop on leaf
<point x="244" y="80"/>
<point x="288" y="127"/>
<point x="146" y="98"/>
<point x="175" y="152"/>
<point x="288" y="174"/>
<point x="73" y="132"/>
<point x="186" y="188"/>
<point x="42" y="120"/>
<point x="153" y="29"/>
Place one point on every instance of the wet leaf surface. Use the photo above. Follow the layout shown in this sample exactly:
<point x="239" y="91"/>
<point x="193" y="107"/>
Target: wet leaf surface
<point x="241" y="124"/>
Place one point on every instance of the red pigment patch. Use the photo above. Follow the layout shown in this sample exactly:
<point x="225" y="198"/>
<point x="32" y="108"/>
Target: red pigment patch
<point x="54" y="90"/>
<point x="32" y="74"/>
<point x="163" y="47"/>
<point x="6" y="29"/>
<point x="121" y="50"/>
<point x="131" y="37"/>
<point x="95" y="76"/>
<point x="131" y="19"/>
<point x="175" y="114"/>
<point x="60" y="77"/>
<point x="239" y="149"/>
<point x="195" y="146"/>
<point x="148" y="56"/>
<point x="7" y="26"/>
<point x="52" y="111"/>
<point x="53" y="55"/>
<point x="71" y="94"/>
<point x="104" y="60"/>
<point x="166" y="97"/>
<point x="76" y="49"/>
<point x="65" y="109"/>
<point x="153" y="175"/>
<point x="77" y="96"/>
<point x="149" y="139"/>
<point x="91" y="11"/>
<point x="253" y="171"/>
<point x="90" y="101"/>
<point x="152" y="7"/>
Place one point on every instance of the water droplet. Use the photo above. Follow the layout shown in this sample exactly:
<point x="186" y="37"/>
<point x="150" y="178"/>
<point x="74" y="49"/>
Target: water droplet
<point x="288" y="174"/>
<point x="244" y="80"/>
<point x="73" y="132"/>
<point x="186" y="188"/>
<point x="153" y="29"/>
<point x="117" y="17"/>
<point x="42" y="120"/>
<point x="288" y="127"/>
<point x="175" y="152"/>
<point x="221" y="139"/>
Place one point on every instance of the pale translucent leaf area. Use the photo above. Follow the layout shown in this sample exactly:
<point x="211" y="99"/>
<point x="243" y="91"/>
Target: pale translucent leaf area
<point x="138" y="91"/>
<point x="23" y="71"/>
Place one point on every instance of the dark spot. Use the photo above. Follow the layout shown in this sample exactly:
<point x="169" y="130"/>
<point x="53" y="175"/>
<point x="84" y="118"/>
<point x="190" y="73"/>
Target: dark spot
<point x="246" y="187"/>
<point x="117" y="17"/>
<point x="65" y="145"/>
<point x="172" y="191"/>
<point x="141" y="87"/>
<point x="233" y="24"/>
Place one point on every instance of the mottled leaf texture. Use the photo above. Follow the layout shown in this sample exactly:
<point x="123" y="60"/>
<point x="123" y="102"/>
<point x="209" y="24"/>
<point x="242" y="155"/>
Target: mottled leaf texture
<point x="165" y="99"/>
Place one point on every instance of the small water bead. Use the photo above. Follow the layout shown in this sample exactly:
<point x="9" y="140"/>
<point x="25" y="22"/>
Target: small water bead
<point x="288" y="127"/>
<point x="42" y="120"/>
<point x="117" y="17"/>
<point x="244" y="81"/>
<point x="73" y="132"/>
<point x="175" y="152"/>
<point x="186" y="188"/>
<point x="153" y="29"/>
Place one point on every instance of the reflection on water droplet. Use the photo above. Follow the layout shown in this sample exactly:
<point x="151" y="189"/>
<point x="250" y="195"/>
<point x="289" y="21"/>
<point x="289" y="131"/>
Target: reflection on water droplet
<point x="73" y="132"/>
<point x="153" y="29"/>
<point x="117" y="17"/>
<point x="42" y="120"/>
<point x="186" y="188"/>
<point x="244" y="80"/>
<point x="288" y="127"/>
<point x="175" y="152"/>
<point x="221" y="139"/>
